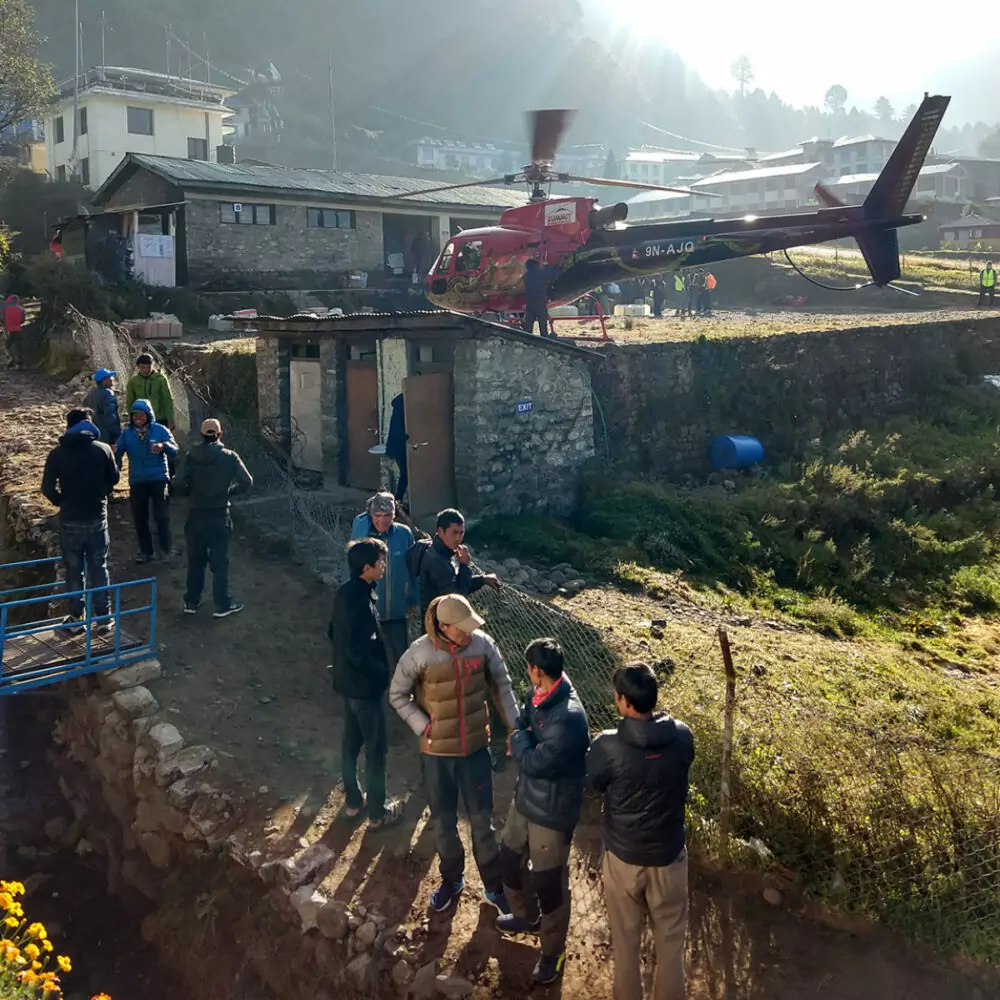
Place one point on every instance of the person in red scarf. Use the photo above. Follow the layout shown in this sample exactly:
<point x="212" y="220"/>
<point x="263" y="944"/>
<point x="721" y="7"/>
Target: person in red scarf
<point x="550" y="744"/>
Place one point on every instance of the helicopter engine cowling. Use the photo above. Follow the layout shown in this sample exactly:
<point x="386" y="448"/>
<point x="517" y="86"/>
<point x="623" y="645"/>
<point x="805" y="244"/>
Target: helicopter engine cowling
<point x="608" y="216"/>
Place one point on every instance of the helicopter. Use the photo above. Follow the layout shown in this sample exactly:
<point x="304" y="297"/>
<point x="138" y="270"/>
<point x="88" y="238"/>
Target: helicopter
<point x="481" y="270"/>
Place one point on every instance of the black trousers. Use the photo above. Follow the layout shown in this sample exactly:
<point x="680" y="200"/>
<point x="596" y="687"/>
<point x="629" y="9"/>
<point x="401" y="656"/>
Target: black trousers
<point x="207" y="534"/>
<point x="986" y="293"/>
<point x="364" y="726"/>
<point x="142" y="496"/>
<point x="536" y="312"/>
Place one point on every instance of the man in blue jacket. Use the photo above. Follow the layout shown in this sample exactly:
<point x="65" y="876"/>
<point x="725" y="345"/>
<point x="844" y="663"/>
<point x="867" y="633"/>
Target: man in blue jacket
<point x="549" y="743"/>
<point x="536" y="296"/>
<point x="396" y="590"/>
<point x="147" y="444"/>
<point x="103" y="401"/>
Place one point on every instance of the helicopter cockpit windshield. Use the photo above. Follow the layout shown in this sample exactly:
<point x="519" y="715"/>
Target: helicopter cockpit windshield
<point x="469" y="256"/>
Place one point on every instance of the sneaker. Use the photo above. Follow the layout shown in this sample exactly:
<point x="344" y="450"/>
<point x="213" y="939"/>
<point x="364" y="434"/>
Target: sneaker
<point x="446" y="894"/>
<point x="105" y="627"/>
<point x="190" y="609"/>
<point x="392" y="815"/>
<point x="72" y="626"/>
<point x="143" y="558"/>
<point x="549" y="968"/>
<point x="353" y="812"/>
<point x="499" y="900"/>
<point x="234" y="609"/>
<point x="507" y="923"/>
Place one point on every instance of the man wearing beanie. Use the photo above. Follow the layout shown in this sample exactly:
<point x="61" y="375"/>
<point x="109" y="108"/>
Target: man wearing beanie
<point x="396" y="590"/>
<point x="210" y="474"/>
<point x="103" y="401"/>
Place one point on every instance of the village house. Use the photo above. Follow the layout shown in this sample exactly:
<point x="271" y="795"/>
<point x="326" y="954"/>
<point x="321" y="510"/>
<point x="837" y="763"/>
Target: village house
<point x="498" y="421"/>
<point x="972" y="231"/>
<point x="225" y="226"/>
<point x="121" y="110"/>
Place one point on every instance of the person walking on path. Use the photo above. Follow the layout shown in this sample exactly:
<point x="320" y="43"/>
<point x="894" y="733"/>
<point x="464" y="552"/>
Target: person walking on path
<point x="147" y="444"/>
<point x="642" y="769"/>
<point x="987" y="284"/>
<point x="210" y="474"/>
<point x="550" y="744"/>
<point x="396" y="594"/>
<point x="360" y="674"/>
<point x="79" y="474"/>
<point x="439" y="690"/>
<point x="104" y="403"/>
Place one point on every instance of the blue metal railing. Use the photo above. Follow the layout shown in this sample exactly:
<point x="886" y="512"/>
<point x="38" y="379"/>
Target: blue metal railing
<point x="51" y="652"/>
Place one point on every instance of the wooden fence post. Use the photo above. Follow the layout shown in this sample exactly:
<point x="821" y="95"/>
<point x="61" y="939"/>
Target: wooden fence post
<point x="725" y="788"/>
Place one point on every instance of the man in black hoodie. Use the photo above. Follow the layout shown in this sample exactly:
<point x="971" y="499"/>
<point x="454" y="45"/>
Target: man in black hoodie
<point x="79" y="474"/>
<point x="642" y="771"/>
<point x="361" y="675"/>
<point x="210" y="474"/>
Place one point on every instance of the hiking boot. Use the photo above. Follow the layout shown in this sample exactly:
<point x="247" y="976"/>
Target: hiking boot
<point x="499" y="900"/>
<point x="234" y="609"/>
<point x="507" y="923"/>
<point x="549" y="968"/>
<point x="446" y="894"/>
<point x="72" y="626"/>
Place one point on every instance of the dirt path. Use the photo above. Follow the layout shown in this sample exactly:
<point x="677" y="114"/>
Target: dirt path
<point x="255" y="688"/>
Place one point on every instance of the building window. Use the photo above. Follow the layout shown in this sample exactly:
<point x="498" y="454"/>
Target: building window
<point x="82" y="120"/>
<point x="330" y="218"/>
<point x="85" y="171"/>
<point x="61" y="173"/>
<point x="140" y="121"/>
<point x="197" y="149"/>
<point x="246" y="215"/>
<point x="60" y="130"/>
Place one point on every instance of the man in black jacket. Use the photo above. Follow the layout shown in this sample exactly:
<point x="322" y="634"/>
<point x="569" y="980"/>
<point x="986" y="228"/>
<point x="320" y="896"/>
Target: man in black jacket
<point x="550" y="745"/>
<point x="361" y="676"/>
<point x="642" y="770"/>
<point x="210" y="474"/>
<point x="79" y="474"/>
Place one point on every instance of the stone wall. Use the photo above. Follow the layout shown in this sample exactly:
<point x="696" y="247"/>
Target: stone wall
<point x="507" y="462"/>
<point x="288" y="254"/>
<point x="273" y="389"/>
<point x="664" y="402"/>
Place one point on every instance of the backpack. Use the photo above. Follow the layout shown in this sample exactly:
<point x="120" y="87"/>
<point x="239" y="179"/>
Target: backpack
<point x="415" y="555"/>
<point x="710" y="281"/>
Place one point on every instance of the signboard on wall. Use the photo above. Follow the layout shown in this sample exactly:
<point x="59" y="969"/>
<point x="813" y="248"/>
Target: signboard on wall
<point x="155" y="246"/>
<point x="560" y="213"/>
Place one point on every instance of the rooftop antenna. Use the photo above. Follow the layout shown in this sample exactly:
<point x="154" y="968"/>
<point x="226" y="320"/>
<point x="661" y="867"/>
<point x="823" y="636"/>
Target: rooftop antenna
<point x="166" y="32"/>
<point x="76" y="85"/>
<point x="103" y="52"/>
<point x="208" y="63"/>
<point x="333" y="117"/>
<point x="190" y="69"/>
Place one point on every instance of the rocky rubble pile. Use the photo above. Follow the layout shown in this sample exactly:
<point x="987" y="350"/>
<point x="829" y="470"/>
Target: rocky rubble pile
<point x="562" y="580"/>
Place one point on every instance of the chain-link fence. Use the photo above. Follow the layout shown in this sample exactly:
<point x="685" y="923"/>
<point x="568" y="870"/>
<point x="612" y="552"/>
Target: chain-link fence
<point x="900" y="829"/>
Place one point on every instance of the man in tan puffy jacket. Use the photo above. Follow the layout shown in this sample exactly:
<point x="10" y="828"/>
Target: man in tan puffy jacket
<point x="439" y="690"/>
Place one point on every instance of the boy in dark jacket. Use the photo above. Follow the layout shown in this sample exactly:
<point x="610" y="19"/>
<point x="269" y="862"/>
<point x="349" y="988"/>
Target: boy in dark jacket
<point x="148" y="445"/>
<point x="550" y="745"/>
<point x="103" y="401"/>
<point x="642" y="771"/>
<point x="361" y="676"/>
<point x="79" y="475"/>
<point x="210" y="474"/>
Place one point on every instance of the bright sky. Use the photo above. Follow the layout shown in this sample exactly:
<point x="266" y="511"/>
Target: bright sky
<point x="799" y="49"/>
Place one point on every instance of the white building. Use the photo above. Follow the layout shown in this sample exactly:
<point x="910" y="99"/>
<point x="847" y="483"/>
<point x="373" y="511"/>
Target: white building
<point x="473" y="157"/>
<point x="123" y="110"/>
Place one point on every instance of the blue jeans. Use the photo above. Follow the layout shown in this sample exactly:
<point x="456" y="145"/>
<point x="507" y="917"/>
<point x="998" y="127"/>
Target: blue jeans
<point x="85" y="556"/>
<point x="364" y="726"/>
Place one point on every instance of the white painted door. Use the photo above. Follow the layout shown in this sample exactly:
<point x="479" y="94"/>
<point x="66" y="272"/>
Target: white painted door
<point x="307" y="422"/>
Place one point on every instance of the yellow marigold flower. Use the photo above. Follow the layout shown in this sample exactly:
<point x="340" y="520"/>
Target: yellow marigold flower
<point x="14" y="888"/>
<point x="64" y="963"/>
<point x="27" y="976"/>
<point x="47" y="946"/>
<point x="6" y="900"/>
<point x="16" y="910"/>
<point x="38" y="932"/>
<point x="101" y="996"/>
<point x="32" y="951"/>
<point x="12" y="922"/>
<point x="36" y="966"/>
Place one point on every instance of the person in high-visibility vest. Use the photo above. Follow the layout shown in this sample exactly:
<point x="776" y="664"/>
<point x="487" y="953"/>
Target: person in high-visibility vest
<point x="987" y="283"/>
<point x="705" y="307"/>
<point x="680" y="293"/>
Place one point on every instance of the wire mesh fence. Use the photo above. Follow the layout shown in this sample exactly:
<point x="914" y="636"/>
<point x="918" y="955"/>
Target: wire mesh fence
<point x="876" y="821"/>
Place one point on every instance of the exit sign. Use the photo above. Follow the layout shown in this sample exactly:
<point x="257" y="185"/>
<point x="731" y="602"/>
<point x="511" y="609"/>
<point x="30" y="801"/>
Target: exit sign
<point x="525" y="406"/>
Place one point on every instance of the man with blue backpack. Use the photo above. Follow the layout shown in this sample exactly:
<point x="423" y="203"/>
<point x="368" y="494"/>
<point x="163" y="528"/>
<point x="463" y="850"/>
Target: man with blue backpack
<point x="396" y="591"/>
<point x="148" y="445"/>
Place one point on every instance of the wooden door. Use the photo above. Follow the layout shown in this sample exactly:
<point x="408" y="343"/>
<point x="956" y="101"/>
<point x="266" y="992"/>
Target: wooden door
<point x="364" y="470"/>
<point x="429" y="408"/>
<point x="307" y="423"/>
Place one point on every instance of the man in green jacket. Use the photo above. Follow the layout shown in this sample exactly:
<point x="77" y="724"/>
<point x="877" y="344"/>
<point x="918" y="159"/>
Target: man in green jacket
<point x="153" y="386"/>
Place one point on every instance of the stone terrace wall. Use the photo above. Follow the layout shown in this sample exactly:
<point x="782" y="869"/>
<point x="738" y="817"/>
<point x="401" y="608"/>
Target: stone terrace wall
<point x="508" y="462"/>
<point x="664" y="402"/>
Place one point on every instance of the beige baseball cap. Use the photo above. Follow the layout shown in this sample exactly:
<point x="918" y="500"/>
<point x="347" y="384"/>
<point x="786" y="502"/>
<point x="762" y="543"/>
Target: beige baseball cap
<point x="210" y="427"/>
<point x="456" y="611"/>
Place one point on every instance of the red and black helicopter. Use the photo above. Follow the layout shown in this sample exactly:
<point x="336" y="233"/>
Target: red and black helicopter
<point x="482" y="270"/>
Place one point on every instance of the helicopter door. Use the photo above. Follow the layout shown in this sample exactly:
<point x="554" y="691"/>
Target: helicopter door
<point x="439" y="285"/>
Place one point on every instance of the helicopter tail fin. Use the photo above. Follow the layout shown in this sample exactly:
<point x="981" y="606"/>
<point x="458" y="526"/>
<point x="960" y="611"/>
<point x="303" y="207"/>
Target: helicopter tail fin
<point x="890" y="193"/>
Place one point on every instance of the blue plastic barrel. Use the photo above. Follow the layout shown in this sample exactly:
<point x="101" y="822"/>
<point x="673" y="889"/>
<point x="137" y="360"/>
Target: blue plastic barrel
<point x="733" y="451"/>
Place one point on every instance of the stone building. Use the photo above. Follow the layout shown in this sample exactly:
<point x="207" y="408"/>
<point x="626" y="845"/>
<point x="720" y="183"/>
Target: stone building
<point x="228" y="226"/>
<point x="498" y="421"/>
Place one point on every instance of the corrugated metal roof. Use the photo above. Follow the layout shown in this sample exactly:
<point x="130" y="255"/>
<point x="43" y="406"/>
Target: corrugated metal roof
<point x="796" y="151"/>
<point x="853" y="140"/>
<point x="198" y="173"/>
<point x="970" y="222"/>
<point x="734" y="176"/>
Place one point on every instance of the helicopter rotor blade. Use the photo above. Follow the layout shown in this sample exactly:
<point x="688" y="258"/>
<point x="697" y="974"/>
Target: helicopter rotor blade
<point x="828" y="197"/>
<point x="506" y="179"/>
<point x="547" y="129"/>
<point x="610" y="182"/>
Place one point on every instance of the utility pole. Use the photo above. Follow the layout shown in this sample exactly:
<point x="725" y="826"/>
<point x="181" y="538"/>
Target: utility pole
<point x="333" y="117"/>
<point x="166" y="33"/>
<point x="76" y="84"/>
<point x="103" y="51"/>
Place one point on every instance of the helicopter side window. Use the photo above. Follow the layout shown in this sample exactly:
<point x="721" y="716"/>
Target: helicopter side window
<point x="469" y="256"/>
<point x="444" y="264"/>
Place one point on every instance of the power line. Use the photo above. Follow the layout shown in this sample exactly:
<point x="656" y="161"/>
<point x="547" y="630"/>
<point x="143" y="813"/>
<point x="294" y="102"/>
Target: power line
<point x="684" y="138"/>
